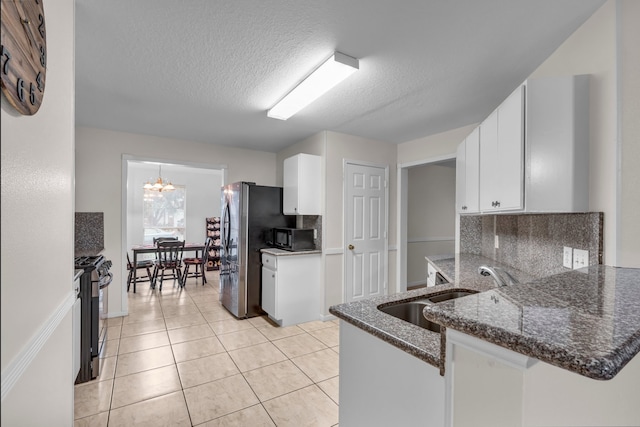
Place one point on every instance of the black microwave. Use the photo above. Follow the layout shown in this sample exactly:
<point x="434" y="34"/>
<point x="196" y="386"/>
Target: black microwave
<point x="294" y="239"/>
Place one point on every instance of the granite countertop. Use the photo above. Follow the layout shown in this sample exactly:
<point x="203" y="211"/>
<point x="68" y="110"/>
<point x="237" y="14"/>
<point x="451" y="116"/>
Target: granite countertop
<point x="417" y="341"/>
<point x="282" y="252"/>
<point x="463" y="269"/>
<point x="586" y="321"/>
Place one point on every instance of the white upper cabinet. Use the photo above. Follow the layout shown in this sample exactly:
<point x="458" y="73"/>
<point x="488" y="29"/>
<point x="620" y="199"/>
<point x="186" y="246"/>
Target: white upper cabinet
<point x="468" y="173"/>
<point x="533" y="151"/>
<point x="301" y="191"/>
<point x="502" y="156"/>
<point x="557" y="148"/>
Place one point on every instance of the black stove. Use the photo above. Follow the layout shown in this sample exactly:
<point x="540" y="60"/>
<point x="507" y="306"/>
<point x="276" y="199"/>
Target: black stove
<point x="93" y="295"/>
<point x="89" y="261"/>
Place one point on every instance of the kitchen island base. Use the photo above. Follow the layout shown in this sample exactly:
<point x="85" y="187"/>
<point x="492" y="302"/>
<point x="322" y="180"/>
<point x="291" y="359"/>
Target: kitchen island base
<point x="381" y="385"/>
<point x="488" y="385"/>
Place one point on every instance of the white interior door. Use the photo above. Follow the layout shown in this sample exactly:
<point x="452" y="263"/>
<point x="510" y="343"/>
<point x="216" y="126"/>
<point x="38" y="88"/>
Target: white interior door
<point x="365" y="231"/>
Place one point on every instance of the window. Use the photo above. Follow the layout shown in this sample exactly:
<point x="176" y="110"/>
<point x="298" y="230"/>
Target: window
<point x="164" y="214"/>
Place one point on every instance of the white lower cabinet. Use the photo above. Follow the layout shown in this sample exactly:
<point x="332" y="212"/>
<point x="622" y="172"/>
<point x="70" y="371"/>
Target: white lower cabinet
<point x="291" y="287"/>
<point x="484" y="385"/>
<point x="381" y="385"/>
<point x="488" y="385"/>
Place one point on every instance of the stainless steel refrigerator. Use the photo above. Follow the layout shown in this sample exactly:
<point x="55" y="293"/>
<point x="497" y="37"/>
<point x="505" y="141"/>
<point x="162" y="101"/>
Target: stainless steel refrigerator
<point x="249" y="212"/>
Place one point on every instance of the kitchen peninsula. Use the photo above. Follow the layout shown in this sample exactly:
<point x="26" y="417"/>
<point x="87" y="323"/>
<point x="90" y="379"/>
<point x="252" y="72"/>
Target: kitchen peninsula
<point x="552" y="351"/>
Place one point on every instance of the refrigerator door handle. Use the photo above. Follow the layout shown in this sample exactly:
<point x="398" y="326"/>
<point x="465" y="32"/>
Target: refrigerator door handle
<point x="226" y="222"/>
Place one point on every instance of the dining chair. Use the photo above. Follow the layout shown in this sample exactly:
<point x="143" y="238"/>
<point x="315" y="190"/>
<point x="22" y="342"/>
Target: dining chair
<point x="198" y="263"/>
<point x="133" y="272"/>
<point x="168" y="260"/>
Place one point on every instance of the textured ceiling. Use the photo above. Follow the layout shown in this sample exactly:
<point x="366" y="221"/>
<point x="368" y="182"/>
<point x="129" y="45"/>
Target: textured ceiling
<point x="207" y="70"/>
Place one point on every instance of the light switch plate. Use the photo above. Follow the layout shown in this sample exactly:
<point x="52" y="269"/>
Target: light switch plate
<point x="567" y="257"/>
<point x="580" y="258"/>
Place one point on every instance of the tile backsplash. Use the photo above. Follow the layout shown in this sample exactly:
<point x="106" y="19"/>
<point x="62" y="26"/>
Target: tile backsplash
<point x="89" y="233"/>
<point x="313" y="221"/>
<point x="532" y="243"/>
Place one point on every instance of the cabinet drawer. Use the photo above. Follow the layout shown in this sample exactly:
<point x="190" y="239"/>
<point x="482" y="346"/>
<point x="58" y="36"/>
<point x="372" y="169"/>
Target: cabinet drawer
<point x="270" y="261"/>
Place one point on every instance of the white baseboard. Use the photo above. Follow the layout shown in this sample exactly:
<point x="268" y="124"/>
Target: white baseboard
<point x="327" y="317"/>
<point x="21" y="362"/>
<point x="416" y="283"/>
<point x="333" y="251"/>
<point x="117" y="314"/>
<point x="431" y="239"/>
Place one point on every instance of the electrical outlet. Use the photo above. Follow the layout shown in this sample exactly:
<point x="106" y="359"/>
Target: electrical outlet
<point x="580" y="258"/>
<point x="567" y="257"/>
<point x="496" y="242"/>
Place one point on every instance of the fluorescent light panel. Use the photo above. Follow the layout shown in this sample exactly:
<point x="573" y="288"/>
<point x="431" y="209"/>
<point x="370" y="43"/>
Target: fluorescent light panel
<point x="334" y="70"/>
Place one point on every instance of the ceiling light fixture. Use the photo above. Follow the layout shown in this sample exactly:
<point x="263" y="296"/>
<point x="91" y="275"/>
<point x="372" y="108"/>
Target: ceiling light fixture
<point x="334" y="70"/>
<point x="160" y="185"/>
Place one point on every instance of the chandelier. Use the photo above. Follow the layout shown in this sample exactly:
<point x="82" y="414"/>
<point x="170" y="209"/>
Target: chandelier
<point x="160" y="185"/>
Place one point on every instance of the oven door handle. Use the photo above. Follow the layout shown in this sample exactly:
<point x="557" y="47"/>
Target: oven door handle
<point x="106" y="280"/>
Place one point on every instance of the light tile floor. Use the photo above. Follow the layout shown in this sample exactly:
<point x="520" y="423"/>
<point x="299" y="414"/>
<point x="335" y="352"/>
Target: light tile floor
<point x="181" y="359"/>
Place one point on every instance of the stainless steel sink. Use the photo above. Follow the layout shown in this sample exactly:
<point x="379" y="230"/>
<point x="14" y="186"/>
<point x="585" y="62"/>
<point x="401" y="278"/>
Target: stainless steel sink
<point x="451" y="294"/>
<point x="411" y="311"/>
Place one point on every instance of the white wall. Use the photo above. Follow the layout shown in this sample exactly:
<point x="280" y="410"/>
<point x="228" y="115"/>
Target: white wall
<point x="592" y="50"/>
<point x="341" y="147"/>
<point x="335" y="148"/>
<point x="605" y="47"/>
<point x="37" y="241"/>
<point x="628" y="249"/>
<point x="99" y="182"/>
<point x="443" y="144"/>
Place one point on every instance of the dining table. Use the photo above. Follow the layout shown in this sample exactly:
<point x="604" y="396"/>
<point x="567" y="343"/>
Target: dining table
<point x="151" y="249"/>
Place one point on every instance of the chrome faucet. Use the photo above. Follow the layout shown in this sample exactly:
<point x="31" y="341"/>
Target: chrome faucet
<point x="498" y="275"/>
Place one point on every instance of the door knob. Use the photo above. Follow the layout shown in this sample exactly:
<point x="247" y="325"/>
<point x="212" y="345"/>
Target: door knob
<point x="351" y="247"/>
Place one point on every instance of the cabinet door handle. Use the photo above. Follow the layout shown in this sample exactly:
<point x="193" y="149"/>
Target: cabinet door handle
<point x="351" y="247"/>
<point x="497" y="204"/>
<point x="464" y="208"/>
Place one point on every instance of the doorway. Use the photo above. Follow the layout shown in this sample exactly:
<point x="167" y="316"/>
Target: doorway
<point x="426" y="217"/>
<point x="201" y="184"/>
